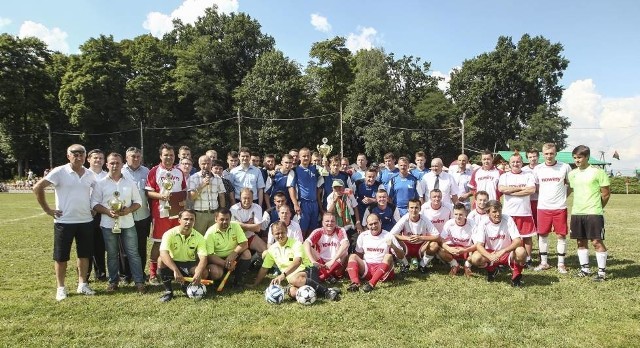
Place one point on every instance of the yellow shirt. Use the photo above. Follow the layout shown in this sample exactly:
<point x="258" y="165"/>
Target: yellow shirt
<point x="222" y="243"/>
<point x="183" y="248"/>
<point x="283" y="255"/>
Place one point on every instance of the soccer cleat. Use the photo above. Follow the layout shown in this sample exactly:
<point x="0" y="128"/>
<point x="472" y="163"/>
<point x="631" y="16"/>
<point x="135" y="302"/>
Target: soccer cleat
<point x="353" y="287"/>
<point x="331" y="280"/>
<point x="599" y="277"/>
<point x="141" y="288"/>
<point x="85" y="289"/>
<point x="454" y="270"/>
<point x="542" y="267"/>
<point x="562" y="269"/>
<point x="582" y="273"/>
<point x="517" y="281"/>
<point x="367" y="287"/>
<point x="528" y="264"/>
<point x="112" y="287"/>
<point x="332" y="294"/>
<point x="166" y="297"/>
<point x="491" y="275"/>
<point x="154" y="281"/>
<point x="61" y="293"/>
<point x="404" y="269"/>
<point x="467" y="272"/>
<point x="423" y="269"/>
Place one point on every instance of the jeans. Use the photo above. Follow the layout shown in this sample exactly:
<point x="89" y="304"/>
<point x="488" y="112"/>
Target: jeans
<point x="130" y="244"/>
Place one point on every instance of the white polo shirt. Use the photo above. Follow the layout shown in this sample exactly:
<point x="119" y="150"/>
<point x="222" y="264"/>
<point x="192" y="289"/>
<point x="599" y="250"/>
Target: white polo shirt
<point x="103" y="192"/>
<point x="73" y="194"/>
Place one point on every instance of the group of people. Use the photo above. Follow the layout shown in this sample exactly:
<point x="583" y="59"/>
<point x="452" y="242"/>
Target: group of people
<point x="313" y="223"/>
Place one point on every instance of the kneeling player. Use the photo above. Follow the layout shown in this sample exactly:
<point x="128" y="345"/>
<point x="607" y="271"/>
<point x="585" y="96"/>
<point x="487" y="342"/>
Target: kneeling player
<point x="419" y="236"/>
<point x="457" y="244"/>
<point x="327" y="248"/>
<point x="498" y="243"/>
<point x="288" y="255"/>
<point x="373" y="260"/>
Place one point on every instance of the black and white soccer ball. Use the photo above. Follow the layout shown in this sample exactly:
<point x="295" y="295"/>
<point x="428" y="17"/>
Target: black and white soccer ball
<point x="196" y="291"/>
<point x="306" y="295"/>
<point x="274" y="294"/>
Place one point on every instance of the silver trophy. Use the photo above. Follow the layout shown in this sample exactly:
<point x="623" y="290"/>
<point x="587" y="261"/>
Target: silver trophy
<point x="324" y="150"/>
<point x="116" y="204"/>
<point x="167" y="185"/>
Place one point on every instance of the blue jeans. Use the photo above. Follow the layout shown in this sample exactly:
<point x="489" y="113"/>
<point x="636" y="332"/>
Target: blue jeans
<point x="129" y="238"/>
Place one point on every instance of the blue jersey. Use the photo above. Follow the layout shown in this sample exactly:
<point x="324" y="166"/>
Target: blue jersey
<point x="402" y="189"/>
<point x="419" y="173"/>
<point x="385" y="175"/>
<point x="279" y="184"/>
<point x="306" y="181"/>
<point x="358" y="174"/>
<point x="273" y="215"/>
<point x="385" y="215"/>
<point x="328" y="185"/>
<point x="363" y="190"/>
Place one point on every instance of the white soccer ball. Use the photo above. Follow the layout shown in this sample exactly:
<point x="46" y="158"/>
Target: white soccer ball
<point x="274" y="294"/>
<point x="196" y="292"/>
<point x="306" y="295"/>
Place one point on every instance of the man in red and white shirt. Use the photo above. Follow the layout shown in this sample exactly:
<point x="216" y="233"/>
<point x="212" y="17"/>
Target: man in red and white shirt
<point x="373" y="260"/>
<point x="486" y="177"/>
<point x="437" y="212"/>
<point x="327" y="248"/>
<point x="517" y="187"/>
<point x="480" y="209"/>
<point x="419" y="236"/>
<point x="457" y="243"/>
<point x="165" y="171"/>
<point x="498" y="243"/>
<point x="551" y="178"/>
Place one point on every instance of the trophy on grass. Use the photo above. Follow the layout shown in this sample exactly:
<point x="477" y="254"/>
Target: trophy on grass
<point x="167" y="185"/>
<point x="115" y="203"/>
<point x="324" y="150"/>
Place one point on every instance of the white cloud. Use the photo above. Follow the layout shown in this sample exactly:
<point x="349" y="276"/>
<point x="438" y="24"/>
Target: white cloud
<point x="443" y="83"/>
<point x="188" y="12"/>
<point x="603" y="124"/>
<point x="55" y="38"/>
<point x="320" y="23"/>
<point x="4" y="21"/>
<point x="364" y="40"/>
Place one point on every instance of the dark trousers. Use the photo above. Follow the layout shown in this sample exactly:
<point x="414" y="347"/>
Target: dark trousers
<point x="97" y="261"/>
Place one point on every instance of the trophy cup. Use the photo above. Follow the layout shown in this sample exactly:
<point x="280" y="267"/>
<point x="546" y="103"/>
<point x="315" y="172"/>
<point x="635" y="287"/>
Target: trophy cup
<point x="115" y="203"/>
<point x="167" y="185"/>
<point x="324" y="150"/>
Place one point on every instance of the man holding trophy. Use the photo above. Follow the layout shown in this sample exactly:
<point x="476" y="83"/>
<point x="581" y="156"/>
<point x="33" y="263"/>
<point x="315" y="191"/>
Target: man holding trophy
<point x="116" y="198"/>
<point x="166" y="190"/>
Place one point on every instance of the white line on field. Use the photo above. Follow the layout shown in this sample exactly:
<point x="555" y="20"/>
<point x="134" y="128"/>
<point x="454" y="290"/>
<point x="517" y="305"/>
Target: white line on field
<point x="20" y="219"/>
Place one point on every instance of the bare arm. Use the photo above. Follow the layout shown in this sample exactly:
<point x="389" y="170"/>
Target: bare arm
<point x="605" y="193"/>
<point x="38" y="189"/>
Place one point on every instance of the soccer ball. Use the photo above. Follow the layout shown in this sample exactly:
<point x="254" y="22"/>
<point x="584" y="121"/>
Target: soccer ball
<point x="274" y="294"/>
<point x="196" y="292"/>
<point x="306" y="295"/>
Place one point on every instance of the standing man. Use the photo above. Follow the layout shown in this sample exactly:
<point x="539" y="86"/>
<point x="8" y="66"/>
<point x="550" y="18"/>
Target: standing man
<point x="462" y="175"/>
<point x="441" y="180"/>
<point x="95" y="159"/>
<point x="246" y="175"/>
<point x="212" y="154"/>
<point x="552" y="180"/>
<point x="389" y="170"/>
<point x="294" y="154"/>
<point x="162" y="174"/>
<point x="207" y="194"/>
<point x="533" y="156"/>
<point x="232" y="162"/>
<point x="72" y="217"/>
<point x="278" y="182"/>
<point x="229" y="197"/>
<point x="591" y="194"/>
<point x="486" y="177"/>
<point x="403" y="187"/>
<point x="185" y="153"/>
<point x="137" y="173"/>
<point x="421" y="165"/>
<point x="334" y="174"/>
<point x="303" y="183"/>
<point x="366" y="190"/>
<point x="361" y="168"/>
<point x="116" y="186"/>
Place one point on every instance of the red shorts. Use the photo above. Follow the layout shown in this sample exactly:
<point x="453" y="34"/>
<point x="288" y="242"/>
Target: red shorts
<point x="462" y="257"/>
<point x="552" y="219"/>
<point x="162" y="225"/>
<point x="526" y="226"/>
<point x="371" y="268"/>
<point x="534" y="211"/>
<point x="412" y="250"/>
<point x="504" y="260"/>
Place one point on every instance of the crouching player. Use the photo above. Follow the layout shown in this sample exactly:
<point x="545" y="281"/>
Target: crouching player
<point x="457" y="244"/>
<point x="288" y="255"/>
<point x="498" y="243"/>
<point x="327" y="248"/>
<point x="419" y="236"/>
<point x="373" y="260"/>
<point x="178" y="251"/>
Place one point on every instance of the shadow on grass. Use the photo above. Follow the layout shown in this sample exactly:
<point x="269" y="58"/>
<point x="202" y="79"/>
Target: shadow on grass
<point x="629" y="271"/>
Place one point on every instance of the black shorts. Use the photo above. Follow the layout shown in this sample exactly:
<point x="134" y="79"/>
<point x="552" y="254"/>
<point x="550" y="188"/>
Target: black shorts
<point x="184" y="267"/>
<point x="63" y="236"/>
<point x="587" y="227"/>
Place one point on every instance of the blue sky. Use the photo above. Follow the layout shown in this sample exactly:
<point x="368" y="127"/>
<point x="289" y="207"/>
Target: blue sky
<point x="602" y="97"/>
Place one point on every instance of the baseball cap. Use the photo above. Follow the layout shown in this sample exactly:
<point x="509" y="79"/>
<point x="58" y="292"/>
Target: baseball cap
<point x="337" y="182"/>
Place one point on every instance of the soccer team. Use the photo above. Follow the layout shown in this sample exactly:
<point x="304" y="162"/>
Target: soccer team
<point x="213" y="222"/>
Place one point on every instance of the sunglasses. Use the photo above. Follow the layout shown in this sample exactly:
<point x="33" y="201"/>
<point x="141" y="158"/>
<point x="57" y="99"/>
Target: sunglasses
<point x="77" y="152"/>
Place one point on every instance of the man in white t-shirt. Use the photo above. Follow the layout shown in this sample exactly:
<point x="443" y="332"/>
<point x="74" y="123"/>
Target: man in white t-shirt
<point x="486" y="177"/>
<point x="457" y="242"/>
<point x="418" y="235"/>
<point x="250" y="217"/>
<point x="552" y="180"/>
<point x="498" y="243"/>
<point x="436" y="211"/>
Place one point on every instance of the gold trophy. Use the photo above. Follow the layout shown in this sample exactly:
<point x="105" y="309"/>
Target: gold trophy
<point x="324" y="150"/>
<point x="167" y="185"/>
<point x="116" y="204"/>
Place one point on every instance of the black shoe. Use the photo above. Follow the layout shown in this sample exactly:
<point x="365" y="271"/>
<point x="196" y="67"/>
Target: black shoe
<point x="599" y="277"/>
<point x="332" y="294"/>
<point x="517" y="281"/>
<point x="167" y="296"/>
<point x="491" y="275"/>
<point x="353" y="287"/>
<point x="367" y="287"/>
<point x="404" y="269"/>
<point x="583" y="274"/>
<point x="331" y="280"/>
<point x="528" y="265"/>
<point x="423" y="269"/>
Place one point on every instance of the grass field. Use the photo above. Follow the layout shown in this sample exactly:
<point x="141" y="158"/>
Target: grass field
<point x="551" y="310"/>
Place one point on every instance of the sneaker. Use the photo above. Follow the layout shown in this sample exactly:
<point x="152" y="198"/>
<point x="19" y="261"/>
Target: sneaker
<point x="141" y="288"/>
<point x="542" y="267"/>
<point x="353" y="287"/>
<point x="166" y="297"/>
<point x="528" y="264"/>
<point x="491" y="275"/>
<point x="332" y="294"/>
<point x="467" y="272"/>
<point x="404" y="269"/>
<point x="454" y="270"/>
<point x="517" y="281"/>
<point x="112" y="287"/>
<point x="155" y="281"/>
<point x="367" y="287"/>
<point x="85" y="289"/>
<point x="583" y="274"/>
<point x="61" y="293"/>
<point x="331" y="280"/>
<point x="599" y="277"/>
<point x="423" y="269"/>
<point x="102" y="277"/>
<point x="562" y="269"/>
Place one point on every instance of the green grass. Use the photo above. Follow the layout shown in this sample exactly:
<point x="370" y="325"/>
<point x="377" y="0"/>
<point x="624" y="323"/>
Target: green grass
<point x="551" y="310"/>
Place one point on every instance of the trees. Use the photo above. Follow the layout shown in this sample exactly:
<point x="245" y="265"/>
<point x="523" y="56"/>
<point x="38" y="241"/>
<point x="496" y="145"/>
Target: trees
<point x="502" y="90"/>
